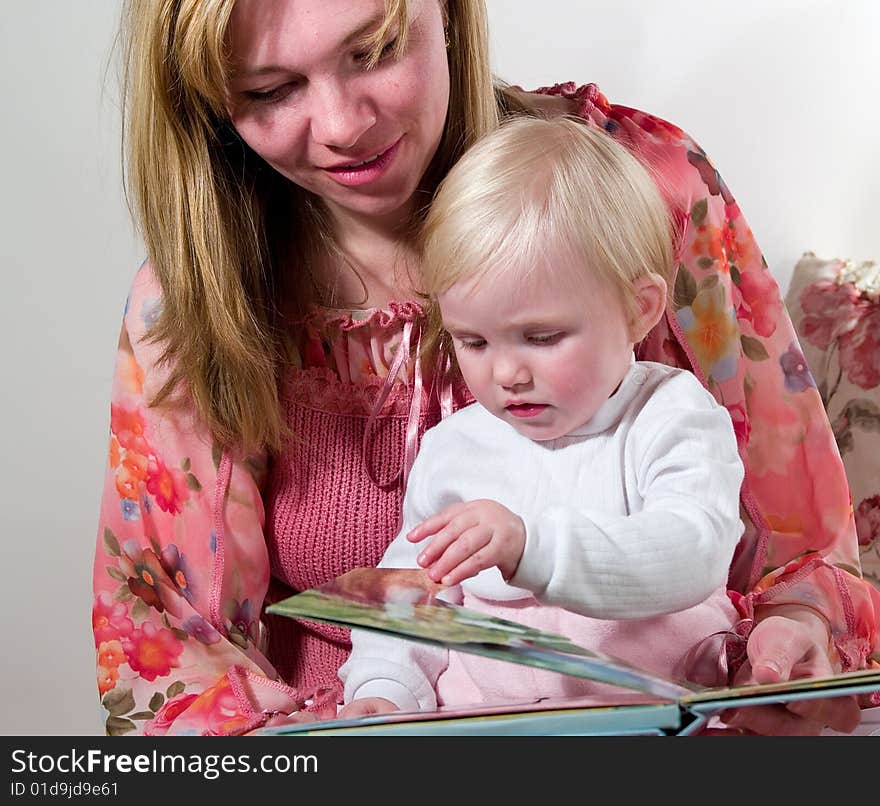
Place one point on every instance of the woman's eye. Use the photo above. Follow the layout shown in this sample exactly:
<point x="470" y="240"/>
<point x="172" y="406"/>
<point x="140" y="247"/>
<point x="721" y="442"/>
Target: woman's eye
<point x="545" y="338"/>
<point x="271" y="96"/>
<point x="386" y="52"/>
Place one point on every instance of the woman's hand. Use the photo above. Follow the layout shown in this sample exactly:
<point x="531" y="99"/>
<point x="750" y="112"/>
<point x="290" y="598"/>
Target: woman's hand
<point x="368" y="706"/>
<point x="790" y="643"/>
<point x="469" y="537"/>
<point x="547" y="106"/>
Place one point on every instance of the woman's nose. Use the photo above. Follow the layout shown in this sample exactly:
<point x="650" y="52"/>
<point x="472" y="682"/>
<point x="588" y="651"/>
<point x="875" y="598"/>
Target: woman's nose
<point x="339" y="116"/>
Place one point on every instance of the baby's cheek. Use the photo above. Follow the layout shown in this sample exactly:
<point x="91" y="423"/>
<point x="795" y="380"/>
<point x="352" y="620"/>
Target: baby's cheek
<point x="570" y="378"/>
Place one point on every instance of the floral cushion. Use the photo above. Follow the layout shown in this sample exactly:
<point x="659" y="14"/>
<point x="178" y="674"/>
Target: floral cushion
<point x="835" y="307"/>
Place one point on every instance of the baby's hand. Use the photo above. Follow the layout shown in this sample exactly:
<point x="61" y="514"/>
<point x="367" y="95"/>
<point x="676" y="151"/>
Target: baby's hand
<point x="368" y="706"/>
<point x="469" y="537"/>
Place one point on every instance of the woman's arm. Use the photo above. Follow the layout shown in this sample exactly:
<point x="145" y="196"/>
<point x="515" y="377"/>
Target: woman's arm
<point x="728" y="324"/>
<point x="180" y="566"/>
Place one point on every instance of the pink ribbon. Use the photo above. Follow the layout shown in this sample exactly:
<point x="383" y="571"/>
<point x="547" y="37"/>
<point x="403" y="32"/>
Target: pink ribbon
<point x="444" y="373"/>
<point x="714" y="660"/>
<point x="415" y="408"/>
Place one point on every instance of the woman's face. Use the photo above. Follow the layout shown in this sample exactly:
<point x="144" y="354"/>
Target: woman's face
<point x="302" y="97"/>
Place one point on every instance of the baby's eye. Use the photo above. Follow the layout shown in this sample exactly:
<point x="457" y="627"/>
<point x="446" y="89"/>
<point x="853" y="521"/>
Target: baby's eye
<point x="472" y="344"/>
<point x="545" y="338"/>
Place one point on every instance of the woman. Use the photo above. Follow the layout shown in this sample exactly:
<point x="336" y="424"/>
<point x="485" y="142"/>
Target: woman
<point x="267" y="407"/>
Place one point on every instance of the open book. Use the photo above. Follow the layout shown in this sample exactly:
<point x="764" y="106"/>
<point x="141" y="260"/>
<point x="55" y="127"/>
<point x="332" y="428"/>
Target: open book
<point x="407" y="604"/>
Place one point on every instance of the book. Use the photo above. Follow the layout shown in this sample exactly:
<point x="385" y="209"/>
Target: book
<point x="407" y="604"/>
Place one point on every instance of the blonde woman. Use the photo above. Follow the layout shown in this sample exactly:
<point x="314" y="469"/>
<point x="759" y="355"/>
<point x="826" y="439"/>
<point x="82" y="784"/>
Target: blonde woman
<point x="267" y="404"/>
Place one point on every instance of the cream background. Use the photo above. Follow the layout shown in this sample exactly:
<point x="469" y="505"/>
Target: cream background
<point x="781" y="93"/>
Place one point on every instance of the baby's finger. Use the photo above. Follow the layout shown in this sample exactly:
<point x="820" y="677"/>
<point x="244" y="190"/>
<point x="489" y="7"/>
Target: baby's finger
<point x="442" y="539"/>
<point x="469" y="567"/>
<point x="434" y="524"/>
<point x="439" y="543"/>
<point x="468" y="543"/>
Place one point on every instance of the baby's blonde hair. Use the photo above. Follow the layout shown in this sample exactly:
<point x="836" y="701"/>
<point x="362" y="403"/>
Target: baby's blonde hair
<point x="533" y="183"/>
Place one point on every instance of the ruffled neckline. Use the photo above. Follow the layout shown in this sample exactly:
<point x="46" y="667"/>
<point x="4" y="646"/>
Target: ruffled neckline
<point x="381" y="317"/>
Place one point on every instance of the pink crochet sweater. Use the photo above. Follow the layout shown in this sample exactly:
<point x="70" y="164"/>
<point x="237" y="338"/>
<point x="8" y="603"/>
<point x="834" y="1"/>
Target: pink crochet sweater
<point x="358" y="410"/>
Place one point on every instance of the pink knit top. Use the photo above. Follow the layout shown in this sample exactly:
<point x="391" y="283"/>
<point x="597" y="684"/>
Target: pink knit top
<point x="357" y="407"/>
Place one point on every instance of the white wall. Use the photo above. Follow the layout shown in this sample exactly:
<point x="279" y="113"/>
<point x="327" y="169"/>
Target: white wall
<point x="781" y="93"/>
<point x="68" y="255"/>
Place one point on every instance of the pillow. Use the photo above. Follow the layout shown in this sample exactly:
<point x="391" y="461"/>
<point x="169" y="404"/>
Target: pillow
<point x="835" y="307"/>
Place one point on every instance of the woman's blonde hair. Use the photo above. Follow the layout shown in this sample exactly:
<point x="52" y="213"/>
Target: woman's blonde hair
<point x="217" y="221"/>
<point x="535" y="183"/>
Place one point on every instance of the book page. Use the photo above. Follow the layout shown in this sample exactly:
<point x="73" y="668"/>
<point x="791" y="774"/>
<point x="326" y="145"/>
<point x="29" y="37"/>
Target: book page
<point x="408" y="604"/>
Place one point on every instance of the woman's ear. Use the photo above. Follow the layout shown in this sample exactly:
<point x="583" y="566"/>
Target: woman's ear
<point x="650" y="297"/>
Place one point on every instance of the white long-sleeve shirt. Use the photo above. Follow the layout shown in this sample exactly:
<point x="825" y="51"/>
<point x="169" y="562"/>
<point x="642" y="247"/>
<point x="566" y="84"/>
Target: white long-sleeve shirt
<point x="631" y="516"/>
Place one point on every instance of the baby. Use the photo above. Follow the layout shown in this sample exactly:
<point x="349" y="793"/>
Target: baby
<point x="584" y="493"/>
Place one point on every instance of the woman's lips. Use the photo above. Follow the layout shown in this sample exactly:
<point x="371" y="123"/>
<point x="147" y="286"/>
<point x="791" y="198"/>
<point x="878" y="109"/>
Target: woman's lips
<point x="526" y="409"/>
<point x="356" y="175"/>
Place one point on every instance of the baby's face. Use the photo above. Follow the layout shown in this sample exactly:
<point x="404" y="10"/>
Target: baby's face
<point x="539" y="354"/>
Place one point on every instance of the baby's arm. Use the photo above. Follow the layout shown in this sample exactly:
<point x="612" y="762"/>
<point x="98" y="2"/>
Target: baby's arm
<point x="676" y="549"/>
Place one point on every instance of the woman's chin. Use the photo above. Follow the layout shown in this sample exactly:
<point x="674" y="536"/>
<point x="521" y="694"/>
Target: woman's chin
<point x="385" y="207"/>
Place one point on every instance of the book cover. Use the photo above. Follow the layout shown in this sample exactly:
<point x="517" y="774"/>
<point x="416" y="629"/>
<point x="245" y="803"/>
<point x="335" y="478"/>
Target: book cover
<point x="406" y="603"/>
